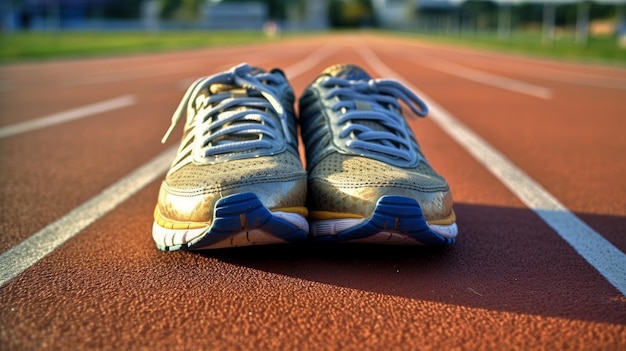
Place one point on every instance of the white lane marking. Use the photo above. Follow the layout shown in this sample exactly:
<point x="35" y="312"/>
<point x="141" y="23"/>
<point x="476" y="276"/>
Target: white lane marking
<point x="158" y="70"/>
<point x="28" y="252"/>
<point x="134" y="75"/>
<point x="139" y="71"/>
<point x="575" y="78"/>
<point x="569" y="73"/>
<point x="310" y="61"/>
<point x="484" y="77"/>
<point x="66" y="116"/>
<point x="31" y="250"/>
<point x="291" y="71"/>
<point x="593" y="247"/>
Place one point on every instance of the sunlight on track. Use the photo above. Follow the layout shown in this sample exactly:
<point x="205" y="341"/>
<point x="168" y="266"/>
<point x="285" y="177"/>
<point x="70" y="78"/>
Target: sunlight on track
<point x="485" y="77"/>
<point x="309" y="62"/>
<point x="30" y="251"/>
<point x="66" y="116"/>
<point x="593" y="247"/>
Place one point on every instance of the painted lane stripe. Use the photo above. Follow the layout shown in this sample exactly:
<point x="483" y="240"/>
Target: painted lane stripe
<point x="66" y="116"/>
<point x="483" y="77"/>
<point x="593" y="247"/>
<point x="25" y="254"/>
<point x="574" y="78"/>
<point x="192" y="64"/>
<point x="292" y="71"/>
<point x="121" y="77"/>
<point x="30" y="251"/>
<point x="528" y="67"/>
<point x="310" y="61"/>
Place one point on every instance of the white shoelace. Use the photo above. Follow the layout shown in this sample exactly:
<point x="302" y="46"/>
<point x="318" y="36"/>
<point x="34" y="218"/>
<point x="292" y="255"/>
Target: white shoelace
<point x="225" y="123"/>
<point x="392" y="140"/>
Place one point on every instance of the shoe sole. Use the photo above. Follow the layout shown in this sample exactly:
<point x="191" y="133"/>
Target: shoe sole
<point x="396" y="220"/>
<point x="239" y="220"/>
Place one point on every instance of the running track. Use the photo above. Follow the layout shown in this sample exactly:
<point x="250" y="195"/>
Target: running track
<point x="533" y="149"/>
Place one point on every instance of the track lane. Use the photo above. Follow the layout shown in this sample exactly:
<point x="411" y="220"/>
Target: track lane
<point x="529" y="64"/>
<point x="285" y="297"/>
<point x="385" y="290"/>
<point x="608" y="260"/>
<point x="67" y="84"/>
<point x="585" y="175"/>
<point x="92" y="162"/>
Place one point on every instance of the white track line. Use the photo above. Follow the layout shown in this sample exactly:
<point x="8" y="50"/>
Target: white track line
<point x="593" y="247"/>
<point x="66" y="116"/>
<point x="28" y="252"/>
<point x="121" y="77"/>
<point x="568" y="73"/>
<point x="25" y="254"/>
<point x="292" y="71"/>
<point x="574" y="78"/>
<point x="483" y="77"/>
<point x="310" y="61"/>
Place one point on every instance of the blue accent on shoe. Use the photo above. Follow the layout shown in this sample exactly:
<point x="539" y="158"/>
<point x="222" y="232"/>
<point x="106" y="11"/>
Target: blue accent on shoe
<point x="397" y="214"/>
<point x="244" y="212"/>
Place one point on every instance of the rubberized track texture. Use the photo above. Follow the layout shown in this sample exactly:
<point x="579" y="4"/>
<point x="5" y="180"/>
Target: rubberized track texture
<point x="533" y="150"/>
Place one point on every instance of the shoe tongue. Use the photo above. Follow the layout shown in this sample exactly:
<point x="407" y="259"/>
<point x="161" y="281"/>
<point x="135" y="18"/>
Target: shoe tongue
<point x="347" y="71"/>
<point x="223" y="87"/>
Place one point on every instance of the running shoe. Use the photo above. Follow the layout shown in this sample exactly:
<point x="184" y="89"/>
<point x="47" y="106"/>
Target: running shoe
<point x="237" y="179"/>
<point x="368" y="178"/>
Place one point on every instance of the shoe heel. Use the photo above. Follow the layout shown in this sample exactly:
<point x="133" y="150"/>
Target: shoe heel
<point x="246" y="221"/>
<point x="399" y="218"/>
<point x="239" y="220"/>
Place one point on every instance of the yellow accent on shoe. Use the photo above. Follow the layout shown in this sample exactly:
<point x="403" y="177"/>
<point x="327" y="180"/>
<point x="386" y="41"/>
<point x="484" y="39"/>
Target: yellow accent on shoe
<point x="445" y="221"/>
<point x="172" y="224"/>
<point x="325" y="215"/>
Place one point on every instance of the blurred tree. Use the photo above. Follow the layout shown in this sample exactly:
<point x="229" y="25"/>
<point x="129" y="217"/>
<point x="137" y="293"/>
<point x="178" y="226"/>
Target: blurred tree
<point x="276" y="9"/>
<point x="482" y="14"/>
<point x="529" y="14"/>
<point x="350" y="13"/>
<point x="169" y="8"/>
<point x="186" y="10"/>
<point x="189" y="10"/>
<point x="117" y="9"/>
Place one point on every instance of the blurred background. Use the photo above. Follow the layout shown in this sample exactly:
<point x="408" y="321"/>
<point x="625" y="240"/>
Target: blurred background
<point x="599" y="24"/>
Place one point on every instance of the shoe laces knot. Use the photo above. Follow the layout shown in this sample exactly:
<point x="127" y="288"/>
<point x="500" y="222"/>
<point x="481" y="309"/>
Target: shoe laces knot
<point x="371" y="118"/>
<point x="232" y="111"/>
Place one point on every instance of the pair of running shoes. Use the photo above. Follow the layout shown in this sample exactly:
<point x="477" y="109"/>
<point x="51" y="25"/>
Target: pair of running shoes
<point x="238" y="179"/>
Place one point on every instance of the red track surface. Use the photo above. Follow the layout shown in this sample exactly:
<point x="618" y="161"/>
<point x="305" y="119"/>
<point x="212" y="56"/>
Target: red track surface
<point x="510" y="282"/>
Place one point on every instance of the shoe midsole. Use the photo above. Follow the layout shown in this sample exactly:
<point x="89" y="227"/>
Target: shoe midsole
<point x="167" y="237"/>
<point x="296" y="214"/>
<point x="335" y="226"/>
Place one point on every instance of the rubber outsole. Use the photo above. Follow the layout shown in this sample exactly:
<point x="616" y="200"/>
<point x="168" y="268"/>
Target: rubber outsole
<point x="239" y="220"/>
<point x="396" y="220"/>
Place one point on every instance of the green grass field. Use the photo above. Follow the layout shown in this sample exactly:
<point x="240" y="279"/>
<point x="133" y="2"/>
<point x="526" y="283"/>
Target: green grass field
<point x="597" y="49"/>
<point x="46" y="45"/>
<point x="49" y="45"/>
